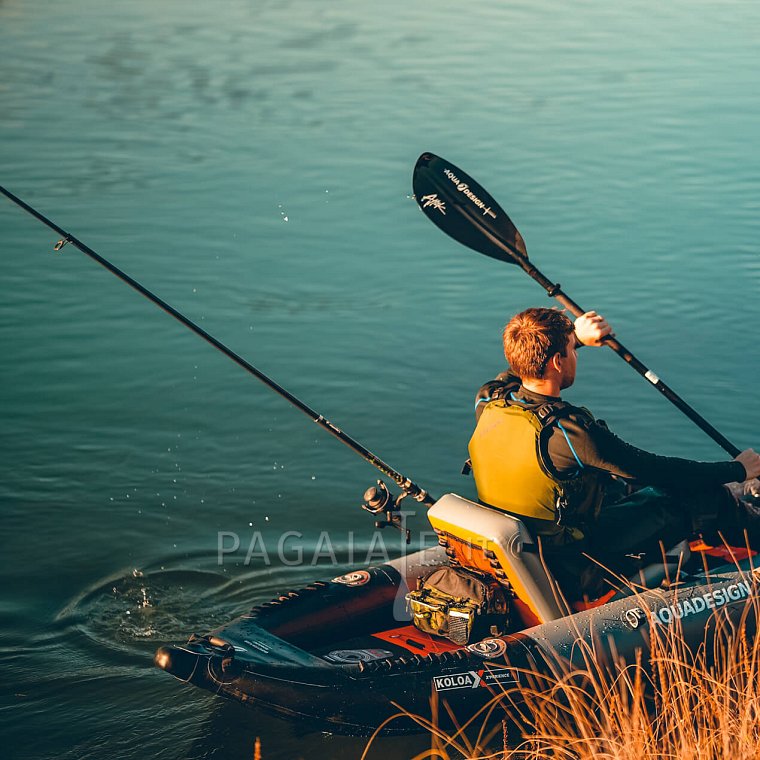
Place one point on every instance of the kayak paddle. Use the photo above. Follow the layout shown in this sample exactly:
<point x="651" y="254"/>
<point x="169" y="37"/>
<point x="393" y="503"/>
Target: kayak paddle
<point x="464" y="210"/>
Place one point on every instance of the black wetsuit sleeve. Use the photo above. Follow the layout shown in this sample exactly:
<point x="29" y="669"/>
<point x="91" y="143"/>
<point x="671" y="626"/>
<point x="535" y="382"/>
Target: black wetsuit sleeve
<point x="578" y="444"/>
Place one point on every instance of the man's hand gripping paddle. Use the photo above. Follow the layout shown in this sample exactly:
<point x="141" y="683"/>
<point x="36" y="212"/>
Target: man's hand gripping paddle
<point x="465" y="211"/>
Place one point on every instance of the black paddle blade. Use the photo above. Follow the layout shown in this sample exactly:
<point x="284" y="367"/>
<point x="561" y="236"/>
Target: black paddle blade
<point x="458" y="205"/>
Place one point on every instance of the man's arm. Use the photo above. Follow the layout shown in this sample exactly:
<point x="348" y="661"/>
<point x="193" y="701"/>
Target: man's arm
<point x="590" y="330"/>
<point x="751" y="462"/>
<point x="580" y="444"/>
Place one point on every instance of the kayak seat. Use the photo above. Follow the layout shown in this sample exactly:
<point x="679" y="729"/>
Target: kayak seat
<point x="493" y="542"/>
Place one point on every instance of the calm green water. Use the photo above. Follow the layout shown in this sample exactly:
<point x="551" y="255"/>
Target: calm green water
<point x="251" y="163"/>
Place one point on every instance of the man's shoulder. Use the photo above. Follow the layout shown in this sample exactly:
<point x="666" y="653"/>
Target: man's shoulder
<point x="580" y="414"/>
<point x="504" y="381"/>
<point x="563" y="414"/>
<point x="507" y="386"/>
<point x="503" y="386"/>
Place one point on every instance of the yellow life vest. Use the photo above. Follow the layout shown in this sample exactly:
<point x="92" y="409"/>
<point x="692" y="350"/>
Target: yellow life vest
<point x="510" y="474"/>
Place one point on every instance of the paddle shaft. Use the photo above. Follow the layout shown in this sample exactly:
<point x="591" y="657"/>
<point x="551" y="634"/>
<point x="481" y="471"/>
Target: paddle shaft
<point x="403" y="482"/>
<point x="466" y="211"/>
<point x="555" y="291"/>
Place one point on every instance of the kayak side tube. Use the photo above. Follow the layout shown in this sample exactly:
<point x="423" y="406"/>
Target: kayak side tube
<point x="250" y="660"/>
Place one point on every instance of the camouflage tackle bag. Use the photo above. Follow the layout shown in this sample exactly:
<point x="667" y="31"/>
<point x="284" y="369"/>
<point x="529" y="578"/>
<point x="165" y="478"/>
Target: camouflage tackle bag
<point x="460" y="605"/>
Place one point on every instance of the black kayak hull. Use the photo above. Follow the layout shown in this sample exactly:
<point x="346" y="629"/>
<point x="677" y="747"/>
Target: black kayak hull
<point x="326" y="655"/>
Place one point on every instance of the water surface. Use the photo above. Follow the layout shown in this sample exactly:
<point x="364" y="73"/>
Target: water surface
<point x="251" y="163"/>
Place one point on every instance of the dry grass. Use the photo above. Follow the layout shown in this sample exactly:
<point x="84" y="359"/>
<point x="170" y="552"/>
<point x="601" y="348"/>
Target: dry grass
<point x="674" y="701"/>
<point x="677" y="703"/>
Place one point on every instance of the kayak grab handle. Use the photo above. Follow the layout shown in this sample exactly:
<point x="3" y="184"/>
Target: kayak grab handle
<point x="212" y="642"/>
<point x="220" y="646"/>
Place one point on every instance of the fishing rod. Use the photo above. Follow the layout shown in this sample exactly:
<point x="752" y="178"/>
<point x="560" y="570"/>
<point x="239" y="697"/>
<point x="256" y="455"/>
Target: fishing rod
<point x="377" y="499"/>
<point x="465" y="211"/>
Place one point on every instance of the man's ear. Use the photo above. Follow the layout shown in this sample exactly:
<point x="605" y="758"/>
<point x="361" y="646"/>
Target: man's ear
<point x="556" y="361"/>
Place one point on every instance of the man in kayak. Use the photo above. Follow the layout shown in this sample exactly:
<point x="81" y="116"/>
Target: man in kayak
<point x="568" y="477"/>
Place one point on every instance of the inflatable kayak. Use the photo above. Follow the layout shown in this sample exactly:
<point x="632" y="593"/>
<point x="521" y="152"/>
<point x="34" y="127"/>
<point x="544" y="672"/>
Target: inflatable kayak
<point x="344" y="656"/>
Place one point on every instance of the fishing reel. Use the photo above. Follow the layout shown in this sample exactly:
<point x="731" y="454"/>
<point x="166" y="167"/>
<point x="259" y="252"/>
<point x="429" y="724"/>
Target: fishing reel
<point x="378" y="500"/>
